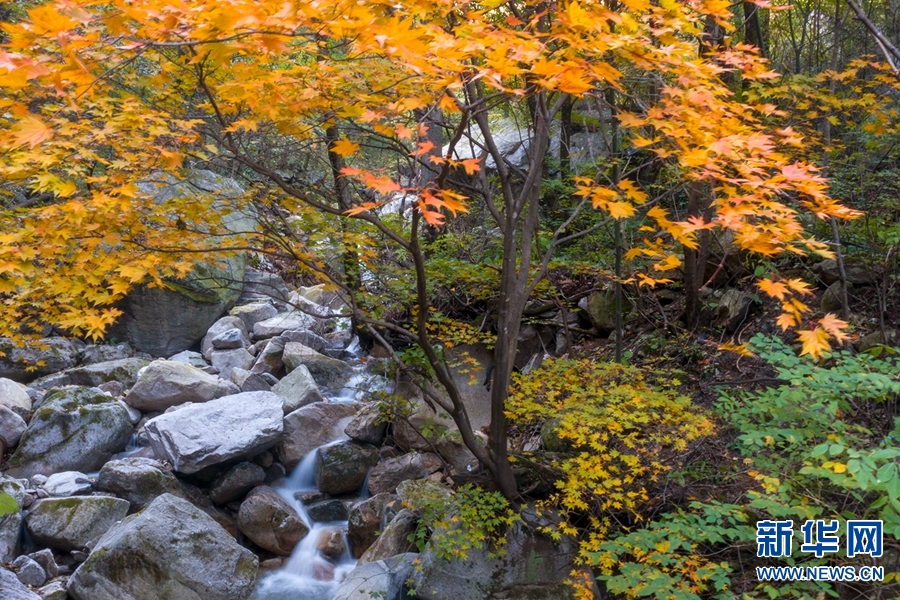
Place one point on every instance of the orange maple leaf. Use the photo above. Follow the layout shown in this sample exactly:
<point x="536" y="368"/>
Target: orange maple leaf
<point x="344" y="147"/>
<point x="815" y="341"/>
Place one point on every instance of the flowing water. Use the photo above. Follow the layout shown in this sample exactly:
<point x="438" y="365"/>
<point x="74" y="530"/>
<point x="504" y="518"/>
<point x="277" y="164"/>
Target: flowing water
<point x="308" y="574"/>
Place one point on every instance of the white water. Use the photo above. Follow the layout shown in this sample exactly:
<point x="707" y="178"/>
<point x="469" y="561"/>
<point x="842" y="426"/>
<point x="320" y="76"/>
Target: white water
<point x="308" y="574"/>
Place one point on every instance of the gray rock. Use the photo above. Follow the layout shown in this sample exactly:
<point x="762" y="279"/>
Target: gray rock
<point x="832" y="299"/>
<point x="282" y="322"/>
<point x="38" y="357"/>
<point x="259" y="285"/>
<point x="235" y="482"/>
<point x="308" y="339"/>
<point x="272" y="523"/>
<point x="368" y="426"/>
<point x="200" y="435"/>
<point x="328" y="372"/>
<point x="734" y="307"/>
<point x="388" y="474"/>
<point x="169" y="550"/>
<point x="600" y="309"/>
<point x="13" y="589"/>
<point x="298" y="389"/>
<point x="378" y="579"/>
<point x="29" y="572"/>
<point x="394" y="539"/>
<point x="876" y="338"/>
<point x="253" y="313"/>
<point x="75" y="429"/>
<point x="137" y="480"/>
<point x="68" y="483"/>
<point x="269" y="359"/>
<point x="189" y="357"/>
<point x="327" y="511"/>
<point x="227" y="360"/>
<point x="12" y="500"/>
<point x="72" y="523"/>
<point x="309" y="427"/>
<point x="857" y="272"/>
<point x="342" y="467"/>
<point x="98" y="353"/>
<point x="12" y="426"/>
<point x="219" y="327"/>
<point x="48" y="563"/>
<point x="230" y="339"/>
<point x="165" y="383"/>
<point x="250" y="382"/>
<point x="123" y="370"/>
<point x="55" y="590"/>
<point x="367" y="519"/>
<point x="15" y="397"/>
<point x="330" y="543"/>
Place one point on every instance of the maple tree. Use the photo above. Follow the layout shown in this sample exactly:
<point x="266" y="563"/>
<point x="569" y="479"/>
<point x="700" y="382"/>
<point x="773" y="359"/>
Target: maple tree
<point x="95" y="97"/>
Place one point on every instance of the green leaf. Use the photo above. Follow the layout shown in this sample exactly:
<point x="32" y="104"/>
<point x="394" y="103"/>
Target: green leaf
<point x="8" y="504"/>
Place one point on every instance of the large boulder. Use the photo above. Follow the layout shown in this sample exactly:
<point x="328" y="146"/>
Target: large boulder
<point x="272" y="523"/>
<point x="12" y="499"/>
<point x="382" y="579"/>
<point x="394" y="539"/>
<point x="253" y="313"/>
<point x="342" y="467"/>
<point x="170" y="550"/>
<point x="218" y="328"/>
<point x="227" y="360"/>
<point x="309" y="427"/>
<point x="298" y="389"/>
<point x="388" y="474"/>
<point x="75" y="429"/>
<point x="858" y="273"/>
<point x="38" y="357"/>
<point x="328" y="372"/>
<point x="14" y="396"/>
<point x="123" y="370"/>
<point x="167" y="383"/>
<point x="72" y="523"/>
<point x="12" y="426"/>
<point x="200" y="435"/>
<point x="368" y="426"/>
<point x="163" y="321"/>
<point x="282" y="322"/>
<point x="264" y="286"/>
<point x="235" y="482"/>
<point x="533" y="566"/>
<point x="13" y="589"/>
<point x="138" y="480"/>
<point x="367" y="519"/>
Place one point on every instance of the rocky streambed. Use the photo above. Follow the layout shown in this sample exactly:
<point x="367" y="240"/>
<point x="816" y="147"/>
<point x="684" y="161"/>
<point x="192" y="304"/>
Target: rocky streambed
<point x="255" y="465"/>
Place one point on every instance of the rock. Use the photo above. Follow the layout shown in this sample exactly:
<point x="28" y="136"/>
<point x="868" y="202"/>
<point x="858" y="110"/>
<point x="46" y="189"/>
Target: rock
<point x="213" y="432"/>
<point x="327" y="511"/>
<point x="68" y="483"/>
<point x="876" y="338"/>
<point x="165" y="383"/>
<point x="29" y="572"/>
<point x="309" y="427"/>
<point x="75" y="429"/>
<point x="282" y="322"/>
<point x="600" y="309"/>
<point x="13" y="589"/>
<point x="272" y="523"/>
<point x="230" y="339"/>
<point x="227" y="360"/>
<point x="12" y="501"/>
<point x="308" y="339"/>
<point x="123" y="370"/>
<point x="235" y="482"/>
<point x="137" y="480"/>
<point x="99" y="353"/>
<point x="378" y="579"/>
<point x="12" y="426"/>
<point x="331" y="543"/>
<point x="734" y="306"/>
<point x="857" y="272"/>
<point x="48" y="563"/>
<point x="15" y="397"/>
<point x="368" y="426"/>
<point x="189" y="357"/>
<point x="416" y="491"/>
<point x="832" y="299"/>
<point x="219" y="327"/>
<point x="394" y="539"/>
<point x="250" y="382"/>
<point x="533" y="567"/>
<point x="367" y="519"/>
<point x="342" y="467"/>
<point x="298" y="389"/>
<point x="468" y="366"/>
<point x="269" y="359"/>
<point x="72" y="523"/>
<point x="253" y="313"/>
<point x="259" y="285"/>
<point x="170" y="550"/>
<point x="328" y="372"/>
<point x="388" y="474"/>
<point x="55" y="590"/>
<point x="38" y="357"/>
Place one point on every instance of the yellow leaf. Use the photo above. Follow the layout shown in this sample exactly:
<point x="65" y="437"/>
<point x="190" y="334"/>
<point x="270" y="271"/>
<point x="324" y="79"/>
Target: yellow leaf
<point x="815" y="341"/>
<point x="344" y="147"/>
<point x="775" y="289"/>
<point x="619" y="210"/>
<point x="32" y="131"/>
